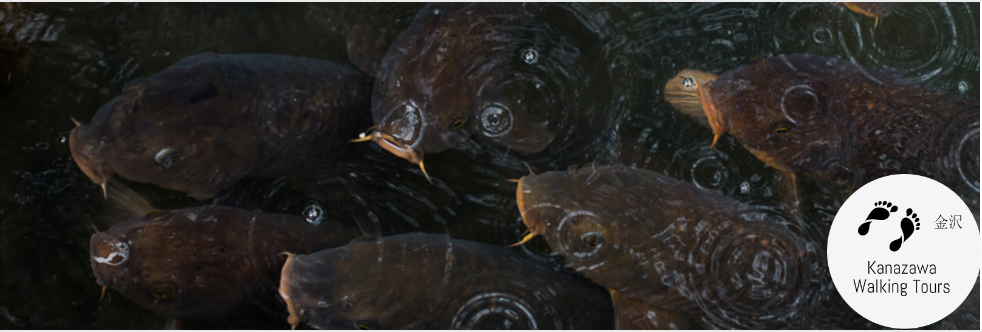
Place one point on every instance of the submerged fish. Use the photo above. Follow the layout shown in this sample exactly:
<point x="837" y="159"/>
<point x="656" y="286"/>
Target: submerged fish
<point x="204" y="261"/>
<point x="674" y="255"/>
<point x="461" y="70"/>
<point x="22" y="31"/>
<point x="832" y="119"/>
<point x="209" y="120"/>
<point x="421" y="281"/>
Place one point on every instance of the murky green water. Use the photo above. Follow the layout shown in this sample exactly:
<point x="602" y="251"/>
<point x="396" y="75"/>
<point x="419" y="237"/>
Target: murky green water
<point x="75" y="57"/>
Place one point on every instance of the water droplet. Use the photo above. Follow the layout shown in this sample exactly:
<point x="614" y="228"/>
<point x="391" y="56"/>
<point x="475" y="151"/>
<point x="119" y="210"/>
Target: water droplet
<point x="963" y="87"/>
<point x="530" y="55"/>
<point x="745" y="187"/>
<point x="821" y="35"/>
<point x="688" y="83"/>
<point x="314" y="213"/>
<point x="115" y="253"/>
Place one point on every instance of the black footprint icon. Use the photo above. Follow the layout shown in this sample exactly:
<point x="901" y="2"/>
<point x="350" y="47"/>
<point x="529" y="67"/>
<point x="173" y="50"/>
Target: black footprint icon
<point x="908" y="226"/>
<point x="880" y="212"/>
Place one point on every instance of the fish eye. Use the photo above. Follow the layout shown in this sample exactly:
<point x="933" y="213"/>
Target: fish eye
<point x="162" y="291"/>
<point x="167" y="157"/>
<point x="781" y="128"/>
<point x="458" y="123"/>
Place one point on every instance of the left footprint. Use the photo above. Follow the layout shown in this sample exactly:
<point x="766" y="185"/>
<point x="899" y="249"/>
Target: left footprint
<point x="908" y="225"/>
<point x="881" y="211"/>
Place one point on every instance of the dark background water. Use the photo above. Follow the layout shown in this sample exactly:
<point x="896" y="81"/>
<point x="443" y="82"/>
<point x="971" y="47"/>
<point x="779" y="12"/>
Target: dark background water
<point x="66" y="60"/>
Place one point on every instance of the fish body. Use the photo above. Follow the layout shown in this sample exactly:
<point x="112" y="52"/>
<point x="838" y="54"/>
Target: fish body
<point x="203" y="261"/>
<point x="421" y="281"/>
<point x="674" y="255"/>
<point x="830" y="118"/>
<point x="209" y="120"/>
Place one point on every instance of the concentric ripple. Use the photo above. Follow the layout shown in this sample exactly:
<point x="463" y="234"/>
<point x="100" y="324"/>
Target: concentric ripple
<point x="705" y="167"/>
<point x="923" y="41"/>
<point x="968" y="160"/>
<point x="757" y="275"/>
<point x="495" y="310"/>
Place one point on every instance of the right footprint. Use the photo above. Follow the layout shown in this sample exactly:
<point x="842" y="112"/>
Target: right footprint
<point x="881" y="211"/>
<point x="908" y="226"/>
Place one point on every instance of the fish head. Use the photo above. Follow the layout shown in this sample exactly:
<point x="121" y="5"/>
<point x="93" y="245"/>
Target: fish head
<point x="171" y="265"/>
<point x="782" y="109"/>
<point x="308" y="285"/>
<point x="682" y="91"/>
<point x="452" y="75"/>
<point x="169" y="130"/>
<point x="577" y="213"/>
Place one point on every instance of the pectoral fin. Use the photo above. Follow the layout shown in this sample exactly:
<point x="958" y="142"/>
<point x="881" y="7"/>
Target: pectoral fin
<point x="788" y="189"/>
<point x="634" y="314"/>
<point x="122" y="204"/>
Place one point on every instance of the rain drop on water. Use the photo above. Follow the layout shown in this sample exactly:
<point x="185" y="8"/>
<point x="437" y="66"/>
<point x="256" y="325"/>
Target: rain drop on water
<point x="821" y="35"/>
<point x="530" y="55"/>
<point x="745" y="187"/>
<point x="963" y="87"/>
<point x="314" y="213"/>
<point x="688" y="83"/>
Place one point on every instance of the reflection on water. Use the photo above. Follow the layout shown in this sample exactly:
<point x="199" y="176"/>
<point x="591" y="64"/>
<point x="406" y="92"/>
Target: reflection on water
<point x="62" y="61"/>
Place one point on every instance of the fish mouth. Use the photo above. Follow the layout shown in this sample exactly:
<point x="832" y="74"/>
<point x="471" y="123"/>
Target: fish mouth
<point x="712" y="113"/>
<point x="682" y="92"/>
<point x="520" y="200"/>
<point x="94" y="241"/>
<point x="394" y="146"/>
<point x="97" y="169"/>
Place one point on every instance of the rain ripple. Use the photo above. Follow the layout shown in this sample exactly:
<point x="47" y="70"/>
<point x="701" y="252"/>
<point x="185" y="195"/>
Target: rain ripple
<point x="927" y="42"/>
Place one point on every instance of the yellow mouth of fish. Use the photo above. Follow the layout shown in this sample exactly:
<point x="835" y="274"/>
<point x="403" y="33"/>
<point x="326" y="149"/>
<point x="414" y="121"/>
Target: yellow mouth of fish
<point x="96" y="169"/>
<point x="521" y="210"/>
<point x="391" y="144"/>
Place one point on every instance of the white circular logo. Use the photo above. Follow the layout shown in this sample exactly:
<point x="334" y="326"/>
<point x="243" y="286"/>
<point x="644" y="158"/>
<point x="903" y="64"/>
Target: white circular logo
<point x="904" y="251"/>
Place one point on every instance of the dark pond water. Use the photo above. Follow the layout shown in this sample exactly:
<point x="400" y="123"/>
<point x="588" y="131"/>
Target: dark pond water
<point x="66" y="60"/>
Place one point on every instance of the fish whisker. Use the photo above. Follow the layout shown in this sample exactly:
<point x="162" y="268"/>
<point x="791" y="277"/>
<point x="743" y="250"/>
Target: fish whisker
<point x="527" y="238"/>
